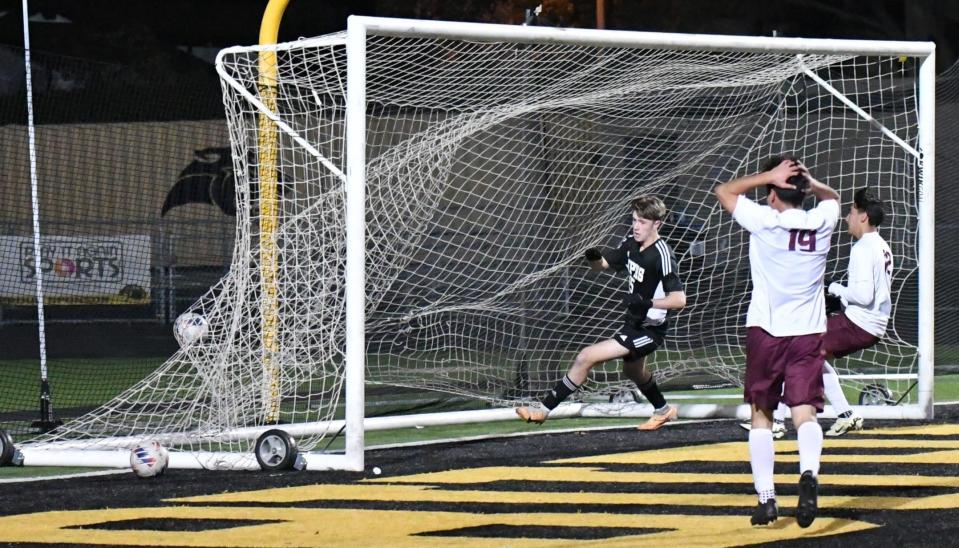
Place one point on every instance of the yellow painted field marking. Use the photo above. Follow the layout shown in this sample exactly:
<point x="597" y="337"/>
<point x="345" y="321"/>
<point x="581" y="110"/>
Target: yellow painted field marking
<point x="344" y="527"/>
<point x="939" y="452"/>
<point x="599" y="475"/>
<point x="419" y="493"/>
<point x="927" y="430"/>
<point x="361" y="526"/>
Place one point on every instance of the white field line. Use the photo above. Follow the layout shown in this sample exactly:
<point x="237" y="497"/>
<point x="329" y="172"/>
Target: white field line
<point x="534" y="432"/>
<point x="69" y="476"/>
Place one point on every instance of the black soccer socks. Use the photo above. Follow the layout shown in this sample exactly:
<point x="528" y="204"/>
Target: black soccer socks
<point x="560" y="392"/>
<point x="652" y="394"/>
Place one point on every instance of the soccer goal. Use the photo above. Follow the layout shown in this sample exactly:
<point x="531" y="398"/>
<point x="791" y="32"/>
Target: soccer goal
<point x="415" y="198"/>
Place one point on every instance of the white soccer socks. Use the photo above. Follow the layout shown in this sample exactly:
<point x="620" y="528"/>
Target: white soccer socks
<point x="779" y="415"/>
<point x="810" y="447"/>
<point x="834" y="393"/>
<point x="762" y="457"/>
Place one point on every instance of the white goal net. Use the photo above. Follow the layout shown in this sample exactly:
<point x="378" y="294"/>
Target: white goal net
<point x="491" y="165"/>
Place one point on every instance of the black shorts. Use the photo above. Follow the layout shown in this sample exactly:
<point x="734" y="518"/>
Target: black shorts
<point x="641" y="341"/>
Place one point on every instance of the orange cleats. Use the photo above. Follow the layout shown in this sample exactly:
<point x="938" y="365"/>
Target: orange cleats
<point x="657" y="421"/>
<point x="529" y="414"/>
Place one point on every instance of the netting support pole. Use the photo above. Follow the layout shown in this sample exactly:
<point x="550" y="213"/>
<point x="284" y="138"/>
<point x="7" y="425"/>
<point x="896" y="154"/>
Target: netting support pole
<point x="927" y="230"/>
<point x="855" y="108"/>
<point x="267" y="145"/>
<point x="47" y="421"/>
<point x="355" y="240"/>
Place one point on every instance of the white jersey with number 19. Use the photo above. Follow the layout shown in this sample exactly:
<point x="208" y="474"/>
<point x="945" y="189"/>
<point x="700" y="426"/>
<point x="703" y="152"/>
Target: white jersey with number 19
<point x="787" y="259"/>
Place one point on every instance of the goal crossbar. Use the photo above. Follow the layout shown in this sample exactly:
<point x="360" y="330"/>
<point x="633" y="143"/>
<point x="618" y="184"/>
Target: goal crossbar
<point x="385" y="26"/>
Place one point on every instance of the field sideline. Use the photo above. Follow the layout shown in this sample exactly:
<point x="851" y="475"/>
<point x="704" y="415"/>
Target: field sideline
<point x="946" y="390"/>
<point x="687" y="484"/>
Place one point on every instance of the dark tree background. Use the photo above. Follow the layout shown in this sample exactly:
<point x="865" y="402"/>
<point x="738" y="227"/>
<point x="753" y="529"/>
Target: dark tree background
<point x="128" y="50"/>
<point x="148" y="32"/>
<point x="98" y="61"/>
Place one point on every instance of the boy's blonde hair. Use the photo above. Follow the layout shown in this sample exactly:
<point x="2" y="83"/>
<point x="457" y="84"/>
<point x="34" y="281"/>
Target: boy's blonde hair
<point x="649" y="207"/>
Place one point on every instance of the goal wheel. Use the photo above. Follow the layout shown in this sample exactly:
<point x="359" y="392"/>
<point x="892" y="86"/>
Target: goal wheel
<point x="875" y="394"/>
<point x="275" y="450"/>
<point x="7" y="450"/>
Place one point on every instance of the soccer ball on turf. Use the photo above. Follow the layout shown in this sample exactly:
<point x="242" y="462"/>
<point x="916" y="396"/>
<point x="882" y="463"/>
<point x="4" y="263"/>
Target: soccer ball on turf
<point x="149" y="459"/>
<point x="190" y="328"/>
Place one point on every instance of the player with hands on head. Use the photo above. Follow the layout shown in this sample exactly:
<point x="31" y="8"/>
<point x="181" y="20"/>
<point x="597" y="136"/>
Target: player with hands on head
<point x="654" y="288"/>
<point x="857" y="312"/>
<point x="788" y="247"/>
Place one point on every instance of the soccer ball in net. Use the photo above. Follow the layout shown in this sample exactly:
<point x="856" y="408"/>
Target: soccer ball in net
<point x="190" y="328"/>
<point x="149" y="459"/>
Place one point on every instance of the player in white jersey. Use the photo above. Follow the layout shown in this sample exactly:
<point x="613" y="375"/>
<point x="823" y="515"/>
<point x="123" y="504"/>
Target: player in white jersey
<point x="867" y="298"/>
<point x="863" y="311"/>
<point x="787" y="256"/>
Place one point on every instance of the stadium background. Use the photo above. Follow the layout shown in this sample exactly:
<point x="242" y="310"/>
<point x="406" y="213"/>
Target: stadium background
<point x="127" y="105"/>
<point x="131" y="140"/>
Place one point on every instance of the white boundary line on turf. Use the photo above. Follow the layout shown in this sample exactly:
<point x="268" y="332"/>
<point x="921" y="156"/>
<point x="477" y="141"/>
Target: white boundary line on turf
<point x="537" y="432"/>
<point x="522" y="434"/>
<point x="557" y="431"/>
<point x="464" y="439"/>
<point x="66" y="476"/>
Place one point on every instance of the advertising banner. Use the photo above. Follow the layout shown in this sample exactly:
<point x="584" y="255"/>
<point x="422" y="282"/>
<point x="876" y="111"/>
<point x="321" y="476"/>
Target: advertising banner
<point x="76" y="270"/>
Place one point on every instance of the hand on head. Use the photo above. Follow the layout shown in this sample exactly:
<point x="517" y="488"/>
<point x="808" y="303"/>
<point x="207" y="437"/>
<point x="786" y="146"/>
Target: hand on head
<point x="784" y="171"/>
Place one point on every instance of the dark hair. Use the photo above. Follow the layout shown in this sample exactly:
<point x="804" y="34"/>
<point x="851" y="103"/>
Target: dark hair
<point x="649" y="207"/>
<point x="792" y="196"/>
<point x="868" y="203"/>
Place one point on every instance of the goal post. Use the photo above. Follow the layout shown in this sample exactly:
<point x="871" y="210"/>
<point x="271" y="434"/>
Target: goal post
<point x="922" y="149"/>
<point x="435" y="186"/>
<point x="927" y="232"/>
<point x="355" y="272"/>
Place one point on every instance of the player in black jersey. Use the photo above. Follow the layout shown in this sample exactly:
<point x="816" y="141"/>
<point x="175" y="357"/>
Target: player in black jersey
<point x="654" y="288"/>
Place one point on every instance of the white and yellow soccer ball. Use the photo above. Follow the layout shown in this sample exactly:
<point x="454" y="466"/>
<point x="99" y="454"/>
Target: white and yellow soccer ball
<point x="189" y="328"/>
<point x="149" y="459"/>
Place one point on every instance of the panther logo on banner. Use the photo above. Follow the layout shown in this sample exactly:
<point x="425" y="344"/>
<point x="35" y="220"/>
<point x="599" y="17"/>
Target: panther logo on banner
<point x="210" y="179"/>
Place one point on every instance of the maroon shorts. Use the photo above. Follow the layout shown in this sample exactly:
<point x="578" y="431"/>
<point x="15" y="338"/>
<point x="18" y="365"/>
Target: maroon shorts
<point x="771" y="361"/>
<point x="844" y="337"/>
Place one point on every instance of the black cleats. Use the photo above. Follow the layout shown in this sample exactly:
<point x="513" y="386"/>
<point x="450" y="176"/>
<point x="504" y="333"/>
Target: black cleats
<point x="808" y="497"/>
<point x="766" y="512"/>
